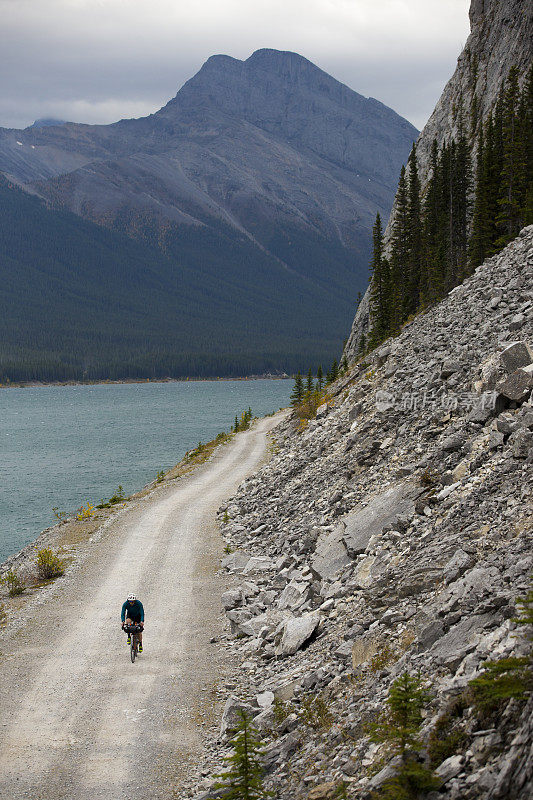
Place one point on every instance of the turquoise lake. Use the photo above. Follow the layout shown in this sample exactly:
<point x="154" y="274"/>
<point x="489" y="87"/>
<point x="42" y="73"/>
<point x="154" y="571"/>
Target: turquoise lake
<point x="65" y="445"/>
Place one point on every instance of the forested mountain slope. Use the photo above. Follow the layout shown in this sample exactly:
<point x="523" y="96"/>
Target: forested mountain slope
<point x="256" y="169"/>
<point x="82" y="302"/>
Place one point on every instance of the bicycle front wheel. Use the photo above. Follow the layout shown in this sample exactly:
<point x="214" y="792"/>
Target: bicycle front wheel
<point x="133" y="647"/>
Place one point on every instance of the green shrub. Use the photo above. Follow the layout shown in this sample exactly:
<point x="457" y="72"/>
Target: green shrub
<point x="413" y="780"/>
<point x="281" y="711"/>
<point x="429" y="479"/>
<point x="383" y="658"/>
<point x="507" y="677"/>
<point x="49" y="565"/>
<point x="315" y="712"/>
<point x="501" y="680"/>
<point x="118" y="497"/>
<point x="447" y="737"/>
<point x="15" y="584"/>
<point x="400" y="726"/>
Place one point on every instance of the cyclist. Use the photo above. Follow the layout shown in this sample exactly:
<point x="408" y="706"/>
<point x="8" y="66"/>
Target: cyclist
<point x="133" y="614"/>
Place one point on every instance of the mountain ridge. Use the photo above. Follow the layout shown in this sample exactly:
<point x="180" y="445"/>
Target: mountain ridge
<point x="268" y="156"/>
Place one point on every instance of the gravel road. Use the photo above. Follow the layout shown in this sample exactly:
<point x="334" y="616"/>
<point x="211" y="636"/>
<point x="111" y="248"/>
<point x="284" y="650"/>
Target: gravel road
<point x="78" y="720"/>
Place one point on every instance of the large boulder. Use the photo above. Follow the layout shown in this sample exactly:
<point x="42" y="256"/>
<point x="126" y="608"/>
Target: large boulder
<point x="517" y="386"/>
<point x="324" y="791"/>
<point x="364" y="649"/>
<point x="258" y="564"/>
<point x="296" y="632"/>
<point x="449" y="367"/>
<point x="454" y="442"/>
<point x="382" y="511"/>
<point x="263" y="625"/>
<point x="294" y="595"/>
<point x="521" y="442"/>
<point x="232" y="598"/>
<point x="232" y="714"/>
<point x="516" y="355"/>
<point x="330" y="557"/>
<point x="450" y="649"/>
<point x="235" y="562"/>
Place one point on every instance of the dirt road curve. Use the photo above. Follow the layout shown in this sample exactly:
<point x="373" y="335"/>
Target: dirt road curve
<point x="78" y="721"/>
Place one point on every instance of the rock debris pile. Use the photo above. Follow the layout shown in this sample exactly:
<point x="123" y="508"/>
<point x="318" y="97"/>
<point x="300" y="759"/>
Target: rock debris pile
<point x="393" y="533"/>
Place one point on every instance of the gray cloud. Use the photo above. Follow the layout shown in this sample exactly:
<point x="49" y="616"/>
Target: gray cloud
<point x="101" y="60"/>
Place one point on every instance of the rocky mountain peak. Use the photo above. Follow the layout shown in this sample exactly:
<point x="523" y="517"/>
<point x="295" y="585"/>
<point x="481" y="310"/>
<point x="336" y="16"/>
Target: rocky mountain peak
<point x="286" y="95"/>
<point x="266" y="158"/>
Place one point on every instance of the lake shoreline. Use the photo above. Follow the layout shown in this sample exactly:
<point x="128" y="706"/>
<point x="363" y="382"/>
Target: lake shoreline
<point x="129" y="381"/>
<point x="172" y="426"/>
<point x="54" y="535"/>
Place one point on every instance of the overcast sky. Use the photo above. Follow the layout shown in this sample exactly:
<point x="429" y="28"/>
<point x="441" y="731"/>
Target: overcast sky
<point x="102" y="60"/>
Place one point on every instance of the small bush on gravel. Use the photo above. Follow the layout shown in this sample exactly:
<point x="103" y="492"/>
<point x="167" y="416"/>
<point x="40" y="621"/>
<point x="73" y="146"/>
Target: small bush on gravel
<point x="316" y="713"/>
<point x="49" y="565"/>
<point x="15" y="584"/>
<point x="118" y="497"/>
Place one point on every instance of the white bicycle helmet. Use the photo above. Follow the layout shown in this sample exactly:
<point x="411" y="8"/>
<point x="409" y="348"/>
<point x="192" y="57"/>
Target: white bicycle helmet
<point x="131" y="597"/>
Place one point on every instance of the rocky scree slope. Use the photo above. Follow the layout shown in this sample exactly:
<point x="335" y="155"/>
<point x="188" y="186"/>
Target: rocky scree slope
<point x="394" y="533"/>
<point x="500" y="38"/>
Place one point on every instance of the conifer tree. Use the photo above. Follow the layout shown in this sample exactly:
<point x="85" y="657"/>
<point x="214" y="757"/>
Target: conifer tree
<point x="236" y="424"/>
<point x="480" y="240"/>
<point x="243" y="779"/>
<point x="513" y="166"/>
<point x="462" y="179"/>
<point x="491" y="172"/>
<point x="414" y="231"/>
<point x="431" y="277"/>
<point x="527" y="111"/>
<point x="400" y="727"/>
<point x="309" y="384"/>
<point x="298" y="390"/>
<point x="319" y="378"/>
<point x="379" y="300"/>
<point x="399" y="258"/>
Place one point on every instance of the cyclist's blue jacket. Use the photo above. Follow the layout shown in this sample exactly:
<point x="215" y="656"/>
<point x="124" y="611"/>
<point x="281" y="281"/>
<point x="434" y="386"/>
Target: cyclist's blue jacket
<point x="135" y="611"/>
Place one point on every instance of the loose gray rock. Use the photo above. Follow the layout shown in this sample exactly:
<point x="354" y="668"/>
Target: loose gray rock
<point x="296" y="633"/>
<point x="516" y="355"/>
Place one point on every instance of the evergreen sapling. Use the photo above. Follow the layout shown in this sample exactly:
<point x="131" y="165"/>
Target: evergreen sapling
<point x="243" y="778"/>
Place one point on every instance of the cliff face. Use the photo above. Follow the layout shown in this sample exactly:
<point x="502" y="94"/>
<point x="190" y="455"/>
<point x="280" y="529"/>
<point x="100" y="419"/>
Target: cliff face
<point x="392" y="534"/>
<point x="501" y="37"/>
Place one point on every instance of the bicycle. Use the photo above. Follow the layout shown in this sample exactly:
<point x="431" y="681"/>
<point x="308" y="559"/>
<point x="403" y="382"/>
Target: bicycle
<point x="133" y="631"/>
